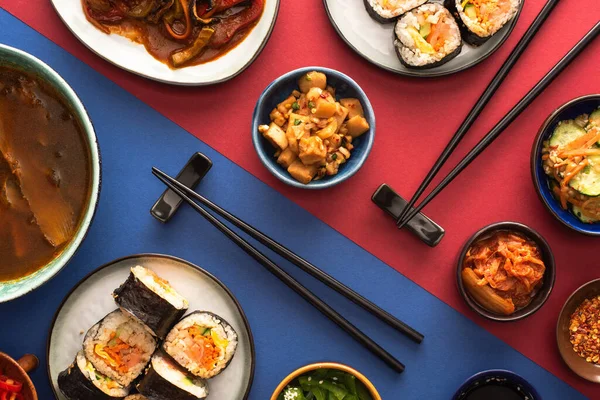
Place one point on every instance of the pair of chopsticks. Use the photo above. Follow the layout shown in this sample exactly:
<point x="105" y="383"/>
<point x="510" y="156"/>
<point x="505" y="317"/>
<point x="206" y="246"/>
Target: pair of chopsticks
<point x="191" y="197"/>
<point x="409" y="210"/>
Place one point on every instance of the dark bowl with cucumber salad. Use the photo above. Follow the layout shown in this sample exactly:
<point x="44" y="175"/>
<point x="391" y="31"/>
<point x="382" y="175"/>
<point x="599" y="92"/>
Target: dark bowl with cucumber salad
<point x="565" y="164"/>
<point x="323" y="381"/>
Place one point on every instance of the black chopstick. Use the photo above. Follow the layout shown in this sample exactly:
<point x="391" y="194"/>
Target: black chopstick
<point x="315" y="301"/>
<point x="481" y="103"/>
<point x="508" y="118"/>
<point x="296" y="260"/>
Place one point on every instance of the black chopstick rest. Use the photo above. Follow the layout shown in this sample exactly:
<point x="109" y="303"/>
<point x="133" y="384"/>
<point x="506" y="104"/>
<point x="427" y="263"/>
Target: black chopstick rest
<point x="422" y="226"/>
<point x="191" y="175"/>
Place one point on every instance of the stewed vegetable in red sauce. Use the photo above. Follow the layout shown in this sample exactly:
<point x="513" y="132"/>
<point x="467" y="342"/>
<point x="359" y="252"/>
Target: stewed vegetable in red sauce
<point x="179" y="33"/>
<point x="45" y="174"/>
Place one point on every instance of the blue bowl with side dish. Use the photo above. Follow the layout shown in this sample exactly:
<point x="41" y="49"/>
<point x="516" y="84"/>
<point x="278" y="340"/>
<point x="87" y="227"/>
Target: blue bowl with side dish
<point x="279" y="90"/>
<point x="541" y="181"/>
<point x="500" y="376"/>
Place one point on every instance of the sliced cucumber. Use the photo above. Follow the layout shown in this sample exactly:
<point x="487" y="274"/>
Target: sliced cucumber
<point x="470" y="11"/>
<point x="425" y="30"/>
<point x="583" y="218"/>
<point x="587" y="181"/>
<point x="565" y="133"/>
<point x="595" y="117"/>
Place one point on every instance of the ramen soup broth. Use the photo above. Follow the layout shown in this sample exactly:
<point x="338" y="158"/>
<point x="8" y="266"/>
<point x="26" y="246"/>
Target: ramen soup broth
<point x="45" y="174"/>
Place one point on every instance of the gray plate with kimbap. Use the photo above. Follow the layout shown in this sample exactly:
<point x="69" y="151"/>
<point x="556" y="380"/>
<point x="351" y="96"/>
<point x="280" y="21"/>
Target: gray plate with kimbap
<point x="109" y="325"/>
<point x="424" y="38"/>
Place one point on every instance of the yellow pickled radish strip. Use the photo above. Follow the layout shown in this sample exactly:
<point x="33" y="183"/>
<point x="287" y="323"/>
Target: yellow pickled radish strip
<point x="99" y="350"/>
<point x="223" y="343"/>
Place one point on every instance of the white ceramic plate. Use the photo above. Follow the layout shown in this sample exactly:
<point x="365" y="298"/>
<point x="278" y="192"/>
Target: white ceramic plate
<point x="134" y="58"/>
<point x="374" y="41"/>
<point x="90" y="300"/>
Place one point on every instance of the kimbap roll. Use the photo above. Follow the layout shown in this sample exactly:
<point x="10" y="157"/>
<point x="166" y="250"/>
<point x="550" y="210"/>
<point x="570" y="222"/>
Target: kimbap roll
<point x="136" y="396"/>
<point x="151" y="299"/>
<point x="119" y="347"/>
<point x="386" y="11"/>
<point x="479" y="20"/>
<point x="166" y="380"/>
<point x="426" y="37"/>
<point x="203" y="343"/>
<point x="81" y="381"/>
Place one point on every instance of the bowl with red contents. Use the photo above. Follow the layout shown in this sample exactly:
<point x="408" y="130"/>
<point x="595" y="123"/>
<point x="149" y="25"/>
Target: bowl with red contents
<point x="15" y="383"/>
<point x="577" y="331"/>
<point x="506" y="271"/>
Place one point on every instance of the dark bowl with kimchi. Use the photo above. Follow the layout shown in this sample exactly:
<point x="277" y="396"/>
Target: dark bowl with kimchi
<point x="545" y="185"/>
<point x="506" y="271"/>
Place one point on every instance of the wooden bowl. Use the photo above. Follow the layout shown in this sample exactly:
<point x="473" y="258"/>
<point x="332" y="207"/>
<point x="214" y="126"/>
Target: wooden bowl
<point x="19" y="370"/>
<point x="327" y="365"/>
<point x="584" y="369"/>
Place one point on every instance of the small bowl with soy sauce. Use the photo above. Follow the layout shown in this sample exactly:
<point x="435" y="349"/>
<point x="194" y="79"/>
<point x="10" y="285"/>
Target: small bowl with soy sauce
<point x="49" y="173"/>
<point x="496" y="384"/>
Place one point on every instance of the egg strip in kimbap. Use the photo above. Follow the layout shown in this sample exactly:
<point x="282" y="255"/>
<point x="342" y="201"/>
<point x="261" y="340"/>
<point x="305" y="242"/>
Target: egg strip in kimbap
<point x="151" y="299"/>
<point x="81" y="381"/>
<point x="479" y="20"/>
<point x="426" y="37"/>
<point x="385" y="11"/>
<point x="164" y="379"/>
<point x="203" y="343"/>
<point x="119" y="347"/>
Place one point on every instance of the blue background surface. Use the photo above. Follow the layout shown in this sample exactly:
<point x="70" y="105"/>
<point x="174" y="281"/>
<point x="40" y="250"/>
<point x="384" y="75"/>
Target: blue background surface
<point x="288" y="332"/>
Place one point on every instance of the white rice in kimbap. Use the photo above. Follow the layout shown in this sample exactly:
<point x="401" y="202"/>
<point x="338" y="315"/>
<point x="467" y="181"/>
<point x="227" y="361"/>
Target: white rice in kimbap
<point x="119" y="347"/>
<point x="203" y="343"/>
<point x="164" y="379"/>
<point x="427" y="36"/>
<point x="388" y="10"/>
<point x="136" y="396"/>
<point x="481" y="19"/>
<point x="81" y="381"/>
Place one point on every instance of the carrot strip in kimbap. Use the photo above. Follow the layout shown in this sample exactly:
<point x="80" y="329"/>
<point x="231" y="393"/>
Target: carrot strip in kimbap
<point x="385" y="11"/>
<point x="151" y="299"/>
<point x="166" y="380"/>
<point x="119" y="346"/>
<point x="479" y="20"/>
<point x="81" y="381"/>
<point x="203" y="343"/>
<point x="426" y="37"/>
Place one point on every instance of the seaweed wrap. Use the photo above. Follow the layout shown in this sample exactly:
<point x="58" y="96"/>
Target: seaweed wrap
<point x="119" y="347"/>
<point x="81" y="381"/>
<point x="479" y="20"/>
<point x="166" y="380"/>
<point x="203" y="343"/>
<point x="427" y="37"/>
<point x="386" y="11"/>
<point x="151" y="299"/>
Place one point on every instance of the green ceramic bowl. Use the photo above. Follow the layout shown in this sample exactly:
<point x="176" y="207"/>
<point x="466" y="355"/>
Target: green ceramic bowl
<point x="18" y="59"/>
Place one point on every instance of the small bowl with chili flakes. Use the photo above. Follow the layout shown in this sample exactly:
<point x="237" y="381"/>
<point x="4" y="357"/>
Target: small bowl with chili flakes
<point x="578" y="331"/>
<point x="506" y="271"/>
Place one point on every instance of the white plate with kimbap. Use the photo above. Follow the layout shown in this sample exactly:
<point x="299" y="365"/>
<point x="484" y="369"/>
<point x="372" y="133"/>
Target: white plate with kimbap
<point x="150" y="327"/>
<point x="421" y="38"/>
